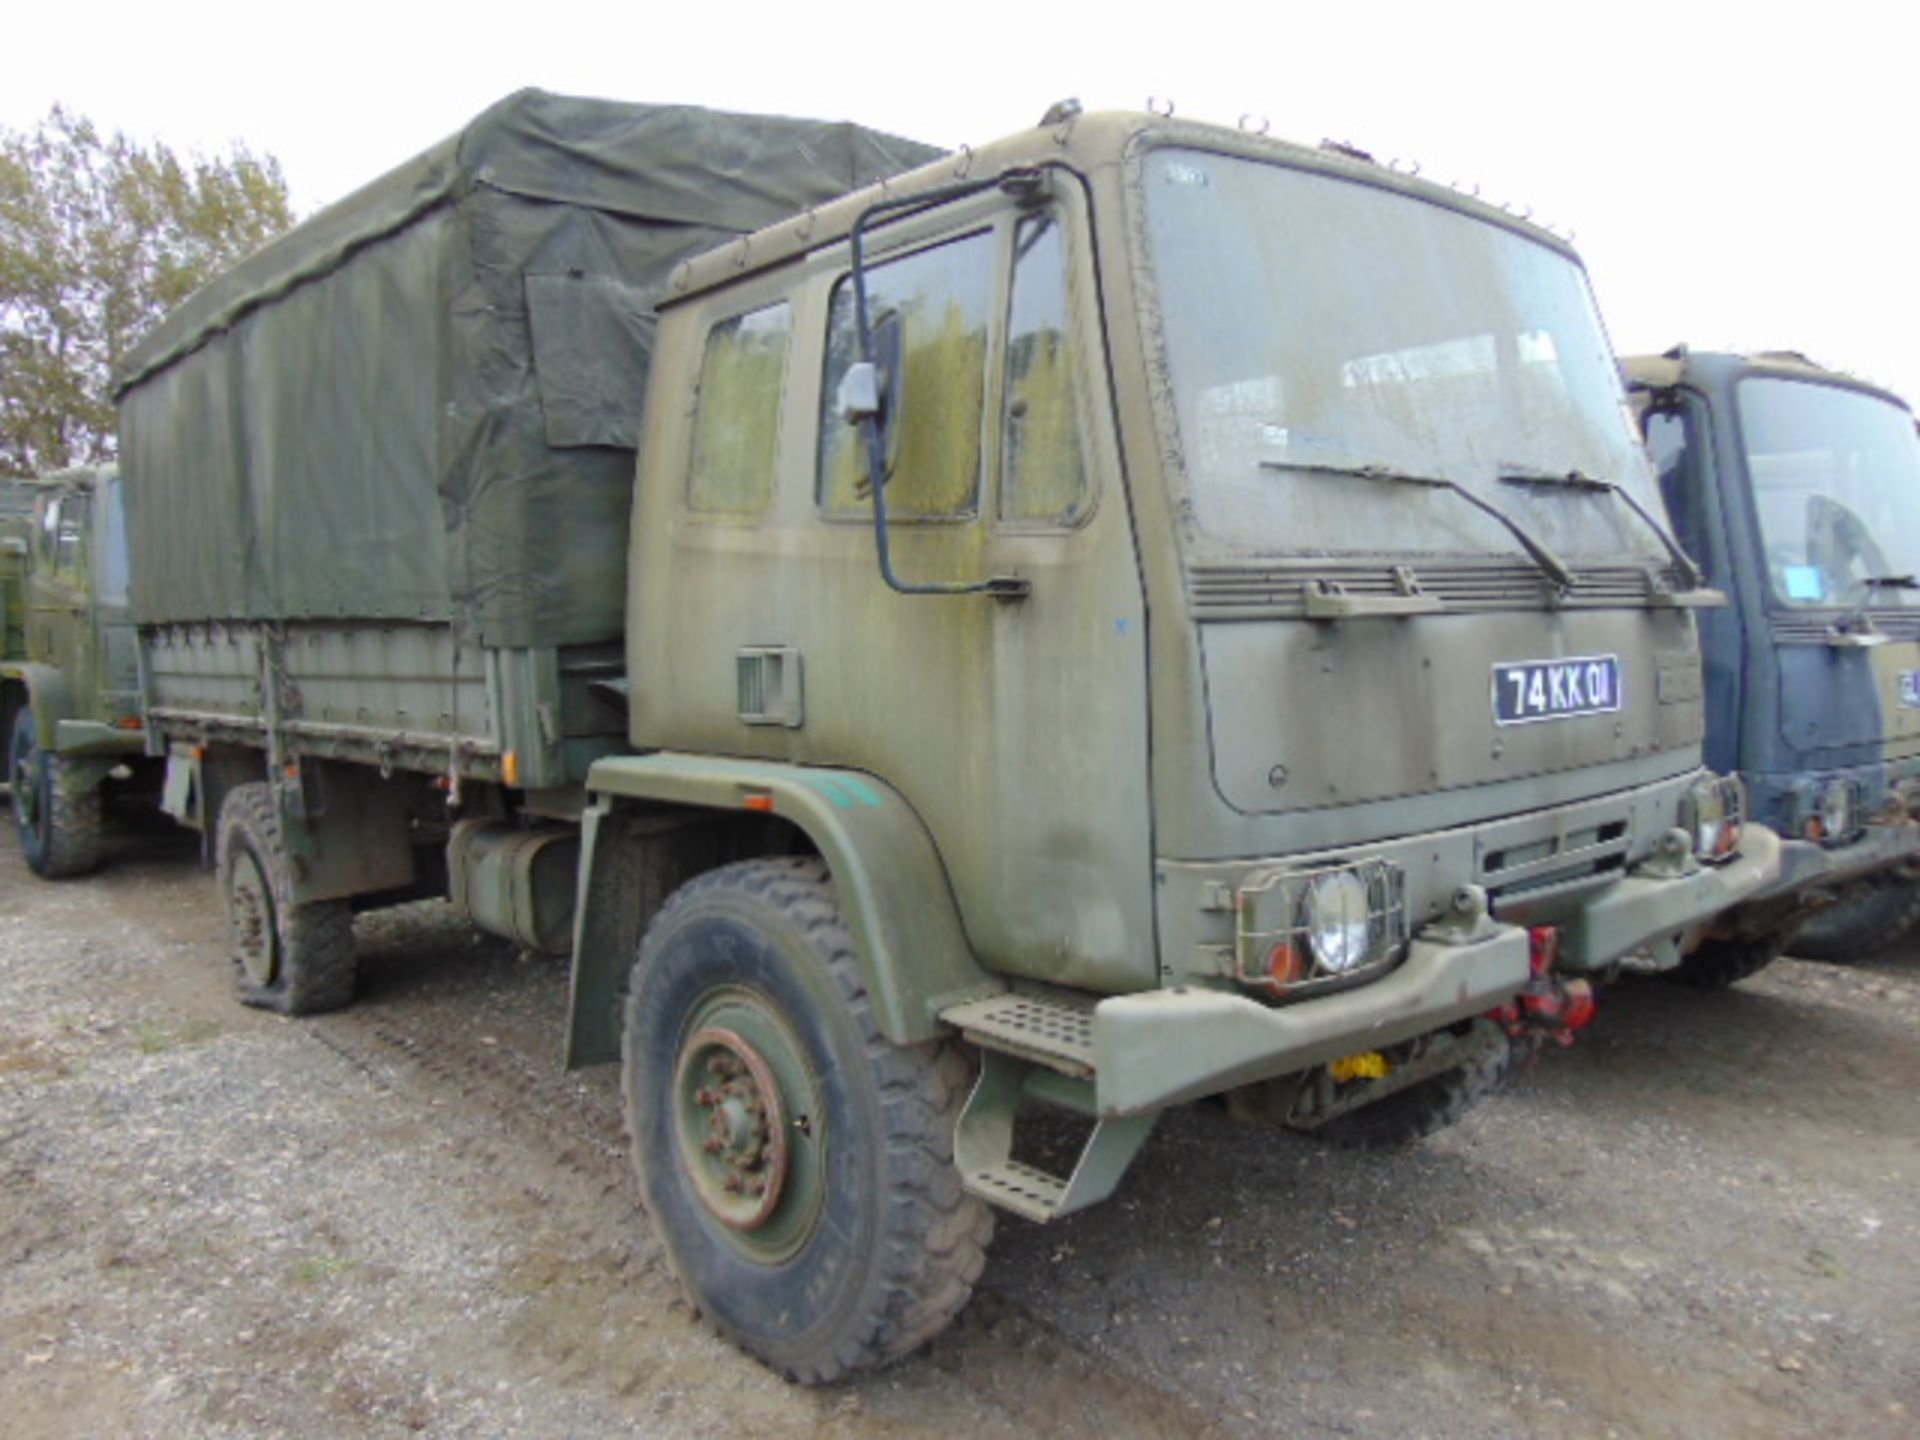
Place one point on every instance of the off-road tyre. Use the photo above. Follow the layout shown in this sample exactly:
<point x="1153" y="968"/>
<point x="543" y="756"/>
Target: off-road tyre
<point x="1716" y="964"/>
<point x="56" y="810"/>
<point x="1862" y="928"/>
<point x="880" y="1248"/>
<point x="297" y="959"/>
<point x="1408" y="1116"/>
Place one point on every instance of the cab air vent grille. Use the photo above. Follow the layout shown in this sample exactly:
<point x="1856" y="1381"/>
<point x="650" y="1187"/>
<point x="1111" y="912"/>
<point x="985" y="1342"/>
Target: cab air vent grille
<point x="1235" y="590"/>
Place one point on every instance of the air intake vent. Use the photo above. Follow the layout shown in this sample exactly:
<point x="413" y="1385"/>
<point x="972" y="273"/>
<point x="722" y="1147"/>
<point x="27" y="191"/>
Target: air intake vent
<point x="769" y="686"/>
<point x="1815" y="629"/>
<point x="1232" y="590"/>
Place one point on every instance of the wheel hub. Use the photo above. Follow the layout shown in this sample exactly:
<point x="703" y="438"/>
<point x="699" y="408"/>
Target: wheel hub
<point x="727" y="1086"/>
<point x="250" y="914"/>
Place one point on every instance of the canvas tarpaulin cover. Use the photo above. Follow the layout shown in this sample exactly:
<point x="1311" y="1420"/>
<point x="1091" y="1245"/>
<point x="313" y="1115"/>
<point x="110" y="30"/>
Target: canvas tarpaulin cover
<point x="423" y="403"/>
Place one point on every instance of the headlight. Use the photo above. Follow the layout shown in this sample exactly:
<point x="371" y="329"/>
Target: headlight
<point x="1298" y="928"/>
<point x="1712" y="813"/>
<point x="1336" y="919"/>
<point x="1835" y="817"/>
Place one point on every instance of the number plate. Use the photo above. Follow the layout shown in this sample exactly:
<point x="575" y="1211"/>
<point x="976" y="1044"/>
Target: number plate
<point x="1910" y="688"/>
<point x="1555" y="689"/>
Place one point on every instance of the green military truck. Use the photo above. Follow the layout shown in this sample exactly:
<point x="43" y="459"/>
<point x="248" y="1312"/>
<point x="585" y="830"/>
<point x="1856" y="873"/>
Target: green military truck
<point x="1798" y="488"/>
<point x="1111" y="618"/>
<point x="69" y="687"/>
<point x="16" y="532"/>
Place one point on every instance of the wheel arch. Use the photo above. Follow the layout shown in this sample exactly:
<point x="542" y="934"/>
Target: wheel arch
<point x="46" y="690"/>
<point x="892" y="886"/>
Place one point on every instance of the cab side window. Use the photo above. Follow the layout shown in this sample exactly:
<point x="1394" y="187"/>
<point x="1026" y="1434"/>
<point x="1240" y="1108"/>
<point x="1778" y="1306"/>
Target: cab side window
<point x="1043" y="478"/>
<point x="1676" y="464"/>
<point x="63" y="534"/>
<point x="736" y="420"/>
<point x="937" y="302"/>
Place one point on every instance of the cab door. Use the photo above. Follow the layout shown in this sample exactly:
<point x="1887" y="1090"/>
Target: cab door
<point x="1016" y="728"/>
<point x="59" y="612"/>
<point x="1680" y="444"/>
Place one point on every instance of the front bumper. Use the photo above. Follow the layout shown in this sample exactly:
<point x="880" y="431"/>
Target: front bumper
<point x="1884" y="844"/>
<point x="1655" y="911"/>
<point x="1162" y="1047"/>
<point x="91" y="737"/>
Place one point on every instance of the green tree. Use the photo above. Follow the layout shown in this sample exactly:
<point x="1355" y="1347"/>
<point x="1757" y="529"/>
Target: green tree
<point x="100" y="237"/>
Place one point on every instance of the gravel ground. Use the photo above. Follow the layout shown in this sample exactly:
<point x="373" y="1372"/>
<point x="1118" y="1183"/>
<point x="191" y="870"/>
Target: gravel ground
<point x="406" y="1218"/>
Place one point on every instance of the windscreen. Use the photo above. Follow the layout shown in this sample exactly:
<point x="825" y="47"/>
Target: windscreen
<point x="1836" y="485"/>
<point x="1324" y="336"/>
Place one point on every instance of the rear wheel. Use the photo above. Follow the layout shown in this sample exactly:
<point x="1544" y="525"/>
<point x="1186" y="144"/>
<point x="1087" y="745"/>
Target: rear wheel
<point x="1862" y="928"/>
<point x="295" y="958"/>
<point x="799" y="1166"/>
<point x="55" y="807"/>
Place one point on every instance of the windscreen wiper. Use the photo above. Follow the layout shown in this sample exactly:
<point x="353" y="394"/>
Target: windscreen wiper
<point x="1576" y="480"/>
<point x="1555" y="568"/>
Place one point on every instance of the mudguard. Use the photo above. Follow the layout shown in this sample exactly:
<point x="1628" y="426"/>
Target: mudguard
<point x="893" y="887"/>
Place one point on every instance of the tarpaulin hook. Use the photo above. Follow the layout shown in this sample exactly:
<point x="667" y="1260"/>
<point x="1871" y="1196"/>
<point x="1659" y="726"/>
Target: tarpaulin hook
<point x="963" y="161"/>
<point x="1255" y="124"/>
<point x="1161" y="107"/>
<point x="746" y="247"/>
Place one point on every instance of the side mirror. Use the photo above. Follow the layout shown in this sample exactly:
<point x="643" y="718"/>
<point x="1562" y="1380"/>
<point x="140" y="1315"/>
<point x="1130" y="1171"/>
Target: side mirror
<point x="870" y="392"/>
<point x="858" y="398"/>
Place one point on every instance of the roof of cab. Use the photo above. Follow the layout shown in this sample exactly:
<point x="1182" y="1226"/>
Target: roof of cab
<point x="1085" y="143"/>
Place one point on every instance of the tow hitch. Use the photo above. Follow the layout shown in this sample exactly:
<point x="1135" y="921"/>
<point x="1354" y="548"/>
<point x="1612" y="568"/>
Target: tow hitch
<point x="1547" y="1007"/>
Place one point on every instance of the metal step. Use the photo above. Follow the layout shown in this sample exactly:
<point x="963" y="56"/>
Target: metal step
<point x="983" y="1142"/>
<point x="1055" y="1030"/>
<point x="1029" y="1193"/>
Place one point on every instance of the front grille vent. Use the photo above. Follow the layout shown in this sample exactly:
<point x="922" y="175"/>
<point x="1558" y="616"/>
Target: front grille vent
<point x="1544" y="861"/>
<point x="1232" y="590"/>
<point x="1815" y="629"/>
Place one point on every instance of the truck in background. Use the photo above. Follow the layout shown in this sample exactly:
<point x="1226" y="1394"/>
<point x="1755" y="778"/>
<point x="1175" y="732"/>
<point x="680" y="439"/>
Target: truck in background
<point x="69" y="687"/>
<point x="1089" y="625"/>
<point x="1798" y="490"/>
<point x="16" y="531"/>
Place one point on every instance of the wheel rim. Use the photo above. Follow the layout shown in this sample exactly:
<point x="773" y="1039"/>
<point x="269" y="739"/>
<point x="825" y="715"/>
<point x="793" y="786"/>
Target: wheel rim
<point x="750" y="1124"/>
<point x="250" y="916"/>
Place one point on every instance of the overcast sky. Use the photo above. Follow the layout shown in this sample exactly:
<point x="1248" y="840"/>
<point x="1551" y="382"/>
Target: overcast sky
<point x="1736" y="175"/>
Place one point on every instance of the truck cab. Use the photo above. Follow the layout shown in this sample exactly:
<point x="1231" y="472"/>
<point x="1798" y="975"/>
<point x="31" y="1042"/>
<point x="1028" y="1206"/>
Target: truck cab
<point x="70" y="692"/>
<point x="1203" y="601"/>
<point x="1798" y="489"/>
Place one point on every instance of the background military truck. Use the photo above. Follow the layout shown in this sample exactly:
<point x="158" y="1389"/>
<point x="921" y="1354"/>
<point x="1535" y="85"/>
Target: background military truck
<point x="16" y="530"/>
<point x="1103" y="620"/>
<point x="69" y="694"/>
<point x="1798" y="489"/>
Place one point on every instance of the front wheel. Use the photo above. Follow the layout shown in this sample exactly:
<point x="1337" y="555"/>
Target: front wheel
<point x="1716" y="964"/>
<point x="798" y="1165"/>
<point x="55" y="809"/>
<point x="1406" y="1116"/>
<point x="1861" y="928"/>
<point x="295" y="958"/>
